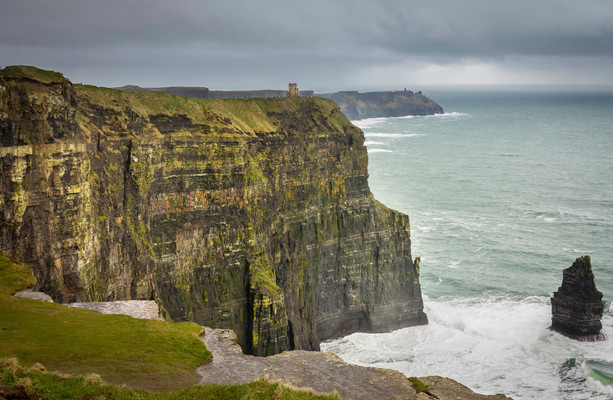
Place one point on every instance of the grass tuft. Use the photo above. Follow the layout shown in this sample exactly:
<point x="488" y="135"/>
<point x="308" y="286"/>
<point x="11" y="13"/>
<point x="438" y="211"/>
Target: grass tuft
<point x="419" y="386"/>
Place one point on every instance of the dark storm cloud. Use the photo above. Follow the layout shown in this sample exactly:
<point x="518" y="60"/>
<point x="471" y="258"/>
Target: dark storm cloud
<point x="248" y="38"/>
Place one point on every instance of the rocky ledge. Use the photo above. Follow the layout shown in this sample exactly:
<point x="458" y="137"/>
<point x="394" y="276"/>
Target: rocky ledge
<point x="323" y="373"/>
<point x="576" y="307"/>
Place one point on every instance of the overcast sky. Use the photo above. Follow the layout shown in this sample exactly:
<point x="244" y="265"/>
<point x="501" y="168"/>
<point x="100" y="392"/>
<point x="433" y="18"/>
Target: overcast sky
<point x="321" y="45"/>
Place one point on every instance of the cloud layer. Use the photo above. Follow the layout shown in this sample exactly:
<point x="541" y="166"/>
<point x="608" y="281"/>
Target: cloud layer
<point x="323" y="45"/>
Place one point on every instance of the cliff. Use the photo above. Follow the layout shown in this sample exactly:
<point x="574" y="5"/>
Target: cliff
<point x="253" y="215"/>
<point x="353" y="104"/>
<point x="357" y="105"/>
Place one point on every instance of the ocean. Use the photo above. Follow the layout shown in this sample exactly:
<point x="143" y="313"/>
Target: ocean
<point x="504" y="191"/>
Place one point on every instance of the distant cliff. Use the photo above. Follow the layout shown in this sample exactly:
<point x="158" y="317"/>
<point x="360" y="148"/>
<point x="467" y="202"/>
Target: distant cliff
<point x="357" y="105"/>
<point x="254" y="215"/>
<point x="353" y="104"/>
<point x="205" y="93"/>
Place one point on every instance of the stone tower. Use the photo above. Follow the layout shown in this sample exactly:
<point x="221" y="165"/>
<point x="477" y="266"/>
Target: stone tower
<point x="293" y="90"/>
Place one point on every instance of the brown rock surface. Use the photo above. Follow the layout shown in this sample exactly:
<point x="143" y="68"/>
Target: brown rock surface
<point x="322" y="372"/>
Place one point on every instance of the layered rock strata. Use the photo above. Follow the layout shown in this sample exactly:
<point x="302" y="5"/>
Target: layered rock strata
<point x="251" y="215"/>
<point x="576" y="308"/>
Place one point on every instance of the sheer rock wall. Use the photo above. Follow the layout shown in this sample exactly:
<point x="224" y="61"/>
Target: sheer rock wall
<point x="253" y="215"/>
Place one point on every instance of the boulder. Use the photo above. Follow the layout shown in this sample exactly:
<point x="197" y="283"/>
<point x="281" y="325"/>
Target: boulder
<point x="576" y="308"/>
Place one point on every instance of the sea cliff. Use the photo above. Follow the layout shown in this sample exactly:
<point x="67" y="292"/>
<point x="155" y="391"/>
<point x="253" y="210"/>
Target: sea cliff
<point x="253" y="215"/>
<point x="400" y="103"/>
<point x="353" y="104"/>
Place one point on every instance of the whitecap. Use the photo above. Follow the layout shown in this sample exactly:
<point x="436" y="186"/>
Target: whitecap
<point x="367" y="122"/>
<point x="371" y="143"/>
<point x="379" y="151"/>
<point x="546" y="219"/>
<point x="454" y="264"/>
<point x="391" y="135"/>
<point x="453" y="114"/>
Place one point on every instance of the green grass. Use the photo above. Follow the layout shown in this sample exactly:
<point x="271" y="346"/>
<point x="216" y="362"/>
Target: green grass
<point x="143" y="359"/>
<point x="419" y="386"/>
<point x="25" y="71"/>
<point x="225" y="117"/>
<point x="14" y="276"/>
<point x="35" y="381"/>
<point x="157" y="355"/>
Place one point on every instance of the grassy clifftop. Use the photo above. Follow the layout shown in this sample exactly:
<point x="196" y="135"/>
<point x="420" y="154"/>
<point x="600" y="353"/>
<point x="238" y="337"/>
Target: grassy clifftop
<point x="152" y="354"/>
<point x="29" y="72"/>
<point x="210" y="116"/>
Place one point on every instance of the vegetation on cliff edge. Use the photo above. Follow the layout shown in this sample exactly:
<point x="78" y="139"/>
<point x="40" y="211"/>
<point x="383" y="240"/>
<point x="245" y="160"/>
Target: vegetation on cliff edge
<point x="150" y="355"/>
<point x="226" y="117"/>
<point x="36" y="382"/>
<point x="25" y="71"/>
<point x="156" y="355"/>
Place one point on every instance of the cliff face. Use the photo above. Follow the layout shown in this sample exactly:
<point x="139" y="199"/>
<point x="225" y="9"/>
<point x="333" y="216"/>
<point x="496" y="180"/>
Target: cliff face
<point x="357" y="105"/>
<point x="576" y="308"/>
<point x="251" y="215"/>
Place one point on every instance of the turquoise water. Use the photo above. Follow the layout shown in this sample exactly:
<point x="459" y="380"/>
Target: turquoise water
<point x="504" y="191"/>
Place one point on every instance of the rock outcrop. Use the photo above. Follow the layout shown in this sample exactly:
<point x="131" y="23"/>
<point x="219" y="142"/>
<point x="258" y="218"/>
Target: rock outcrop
<point x="251" y="215"/>
<point x="577" y="307"/>
<point x="324" y="373"/>
<point x="357" y="105"/>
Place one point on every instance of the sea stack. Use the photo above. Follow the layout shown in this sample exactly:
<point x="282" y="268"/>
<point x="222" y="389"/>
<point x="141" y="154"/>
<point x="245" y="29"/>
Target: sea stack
<point x="576" y="308"/>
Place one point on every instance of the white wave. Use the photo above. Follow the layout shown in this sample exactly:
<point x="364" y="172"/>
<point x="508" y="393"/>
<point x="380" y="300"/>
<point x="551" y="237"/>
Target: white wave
<point x="493" y="344"/>
<point x="392" y="135"/>
<point x="448" y="115"/>
<point x="372" y="143"/>
<point x="546" y="219"/>
<point x="379" y="151"/>
<point x="370" y="122"/>
<point x="595" y="379"/>
<point x="454" y="264"/>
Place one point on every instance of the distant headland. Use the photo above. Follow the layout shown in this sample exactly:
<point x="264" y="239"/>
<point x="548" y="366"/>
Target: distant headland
<point x="353" y="104"/>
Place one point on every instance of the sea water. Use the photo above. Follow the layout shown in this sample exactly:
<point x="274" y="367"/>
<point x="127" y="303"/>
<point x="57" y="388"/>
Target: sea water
<point x="504" y="191"/>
